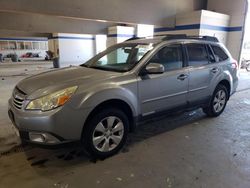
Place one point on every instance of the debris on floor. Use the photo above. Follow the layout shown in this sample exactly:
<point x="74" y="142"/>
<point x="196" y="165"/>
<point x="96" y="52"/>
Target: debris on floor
<point x="187" y="137"/>
<point x="61" y="185"/>
<point x="119" y="179"/>
<point x="246" y="101"/>
<point x="169" y="183"/>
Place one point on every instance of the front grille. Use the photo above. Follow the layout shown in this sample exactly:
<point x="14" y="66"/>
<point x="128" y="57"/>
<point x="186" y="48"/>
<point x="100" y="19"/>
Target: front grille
<point x="18" y="98"/>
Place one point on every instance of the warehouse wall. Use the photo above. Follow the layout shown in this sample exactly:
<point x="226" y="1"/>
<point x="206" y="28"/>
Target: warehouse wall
<point x="200" y="23"/>
<point x="186" y="23"/>
<point x="12" y="46"/>
<point x="228" y="29"/>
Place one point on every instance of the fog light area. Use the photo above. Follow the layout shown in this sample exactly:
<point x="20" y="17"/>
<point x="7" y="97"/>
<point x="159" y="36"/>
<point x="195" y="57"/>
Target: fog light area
<point x="43" y="138"/>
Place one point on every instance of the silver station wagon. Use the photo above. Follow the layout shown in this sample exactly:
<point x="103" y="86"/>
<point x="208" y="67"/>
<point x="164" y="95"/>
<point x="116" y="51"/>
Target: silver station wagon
<point x="102" y="100"/>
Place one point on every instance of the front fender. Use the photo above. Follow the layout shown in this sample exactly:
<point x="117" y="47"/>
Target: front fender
<point x="103" y="93"/>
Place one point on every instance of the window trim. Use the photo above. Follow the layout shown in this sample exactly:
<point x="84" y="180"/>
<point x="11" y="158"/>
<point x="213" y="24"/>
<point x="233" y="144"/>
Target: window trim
<point x="211" y="45"/>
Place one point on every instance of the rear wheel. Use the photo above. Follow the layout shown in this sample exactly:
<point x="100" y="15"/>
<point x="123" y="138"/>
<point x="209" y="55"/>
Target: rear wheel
<point x="218" y="101"/>
<point x="106" y="132"/>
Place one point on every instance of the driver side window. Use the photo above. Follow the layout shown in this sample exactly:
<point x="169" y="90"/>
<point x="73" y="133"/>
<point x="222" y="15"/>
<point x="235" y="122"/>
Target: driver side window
<point x="170" y="57"/>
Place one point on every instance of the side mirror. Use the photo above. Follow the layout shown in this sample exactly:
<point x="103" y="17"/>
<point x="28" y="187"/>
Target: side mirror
<point x="155" y="68"/>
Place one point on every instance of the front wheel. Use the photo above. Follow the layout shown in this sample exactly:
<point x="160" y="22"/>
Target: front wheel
<point x="218" y="101"/>
<point x="106" y="132"/>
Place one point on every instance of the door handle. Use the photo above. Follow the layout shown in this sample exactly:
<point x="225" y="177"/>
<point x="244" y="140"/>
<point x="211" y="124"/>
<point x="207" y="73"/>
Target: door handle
<point x="215" y="70"/>
<point x="182" y="77"/>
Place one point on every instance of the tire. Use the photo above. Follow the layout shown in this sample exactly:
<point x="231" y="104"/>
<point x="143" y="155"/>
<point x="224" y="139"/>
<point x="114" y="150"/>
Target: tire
<point x="108" y="135"/>
<point x="218" y="101"/>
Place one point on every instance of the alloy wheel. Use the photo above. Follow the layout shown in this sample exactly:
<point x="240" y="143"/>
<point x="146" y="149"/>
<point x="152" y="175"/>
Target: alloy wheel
<point x="108" y="133"/>
<point x="219" y="101"/>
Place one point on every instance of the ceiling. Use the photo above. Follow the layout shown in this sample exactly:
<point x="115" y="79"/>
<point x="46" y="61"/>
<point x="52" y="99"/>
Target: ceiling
<point x="88" y="16"/>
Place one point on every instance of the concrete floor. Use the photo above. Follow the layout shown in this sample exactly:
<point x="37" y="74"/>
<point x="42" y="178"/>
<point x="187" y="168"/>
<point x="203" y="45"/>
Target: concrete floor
<point x="187" y="150"/>
<point x="10" y="74"/>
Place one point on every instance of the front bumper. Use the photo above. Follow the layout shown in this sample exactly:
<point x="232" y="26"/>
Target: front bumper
<point x="58" y="126"/>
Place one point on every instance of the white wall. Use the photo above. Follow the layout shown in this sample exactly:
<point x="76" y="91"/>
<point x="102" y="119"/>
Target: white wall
<point x="74" y="49"/>
<point x="100" y="43"/>
<point x="215" y="24"/>
<point x="143" y="30"/>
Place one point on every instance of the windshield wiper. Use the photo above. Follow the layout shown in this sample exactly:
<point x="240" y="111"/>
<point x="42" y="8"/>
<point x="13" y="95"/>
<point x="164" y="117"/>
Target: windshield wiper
<point x="106" y="69"/>
<point x="84" y="65"/>
<point x="100" y="68"/>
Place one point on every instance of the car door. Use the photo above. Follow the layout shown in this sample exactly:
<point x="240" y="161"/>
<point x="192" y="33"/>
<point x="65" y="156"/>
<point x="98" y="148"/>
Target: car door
<point x="201" y="72"/>
<point x="159" y="92"/>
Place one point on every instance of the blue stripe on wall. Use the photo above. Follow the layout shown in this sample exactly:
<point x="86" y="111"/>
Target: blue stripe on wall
<point x="177" y="28"/>
<point x="232" y="29"/>
<point x="76" y="38"/>
<point x="21" y="39"/>
<point x="121" y="35"/>
<point x="199" y="26"/>
<point x="221" y="28"/>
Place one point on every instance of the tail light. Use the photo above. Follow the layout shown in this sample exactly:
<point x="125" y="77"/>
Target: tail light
<point x="234" y="65"/>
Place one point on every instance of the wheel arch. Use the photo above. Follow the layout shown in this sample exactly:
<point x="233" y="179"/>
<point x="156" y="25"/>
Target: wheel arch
<point x="115" y="103"/>
<point x="226" y="83"/>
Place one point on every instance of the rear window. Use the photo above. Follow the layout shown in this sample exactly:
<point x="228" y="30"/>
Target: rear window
<point x="197" y="54"/>
<point x="220" y="53"/>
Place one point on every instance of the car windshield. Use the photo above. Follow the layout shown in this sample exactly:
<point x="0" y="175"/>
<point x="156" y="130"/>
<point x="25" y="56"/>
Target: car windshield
<point x="119" y="58"/>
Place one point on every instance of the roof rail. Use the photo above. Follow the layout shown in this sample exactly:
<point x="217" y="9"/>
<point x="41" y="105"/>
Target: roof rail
<point x="134" y="38"/>
<point x="183" y="36"/>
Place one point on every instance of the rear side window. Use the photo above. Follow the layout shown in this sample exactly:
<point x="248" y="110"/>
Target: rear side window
<point x="197" y="54"/>
<point x="219" y="53"/>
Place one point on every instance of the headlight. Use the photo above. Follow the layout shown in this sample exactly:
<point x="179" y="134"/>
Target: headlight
<point x="52" y="101"/>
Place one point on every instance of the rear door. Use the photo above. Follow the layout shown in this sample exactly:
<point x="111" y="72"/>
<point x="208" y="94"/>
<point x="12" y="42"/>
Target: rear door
<point x="201" y="72"/>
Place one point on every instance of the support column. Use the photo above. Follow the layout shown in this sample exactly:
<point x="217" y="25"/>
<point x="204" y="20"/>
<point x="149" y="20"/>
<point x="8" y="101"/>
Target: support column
<point x="117" y="34"/>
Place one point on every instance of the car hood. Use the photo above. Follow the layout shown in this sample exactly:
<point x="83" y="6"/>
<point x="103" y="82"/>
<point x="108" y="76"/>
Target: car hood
<point x="64" y="77"/>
